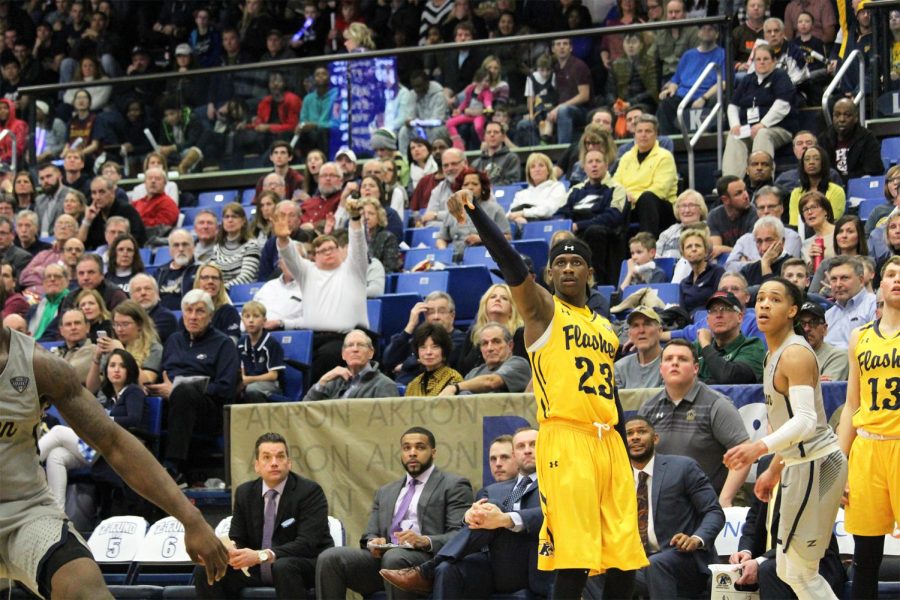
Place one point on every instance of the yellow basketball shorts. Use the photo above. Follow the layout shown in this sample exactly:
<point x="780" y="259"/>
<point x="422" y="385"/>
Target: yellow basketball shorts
<point x="874" y="478"/>
<point x="588" y="498"/>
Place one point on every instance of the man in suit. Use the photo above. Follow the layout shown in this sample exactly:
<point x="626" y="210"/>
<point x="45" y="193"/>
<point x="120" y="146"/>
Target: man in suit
<point x="679" y="517"/>
<point x="505" y="520"/>
<point x="411" y="520"/>
<point x="279" y="527"/>
<point x="756" y="550"/>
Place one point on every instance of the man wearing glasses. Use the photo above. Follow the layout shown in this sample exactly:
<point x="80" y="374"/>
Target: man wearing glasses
<point x="359" y="379"/>
<point x="833" y="362"/>
<point x="726" y="355"/>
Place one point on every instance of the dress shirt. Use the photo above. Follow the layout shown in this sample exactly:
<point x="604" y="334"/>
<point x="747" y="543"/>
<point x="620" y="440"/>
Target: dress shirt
<point x="745" y="252"/>
<point x="413" y="513"/>
<point x="859" y="310"/>
<point x="518" y="524"/>
<point x="651" y="531"/>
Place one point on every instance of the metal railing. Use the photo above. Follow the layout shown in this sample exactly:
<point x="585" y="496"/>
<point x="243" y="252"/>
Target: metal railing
<point x="859" y="98"/>
<point x="714" y="113"/>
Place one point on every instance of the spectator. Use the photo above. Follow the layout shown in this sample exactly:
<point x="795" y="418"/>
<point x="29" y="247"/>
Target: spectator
<point x="393" y="184"/>
<point x="155" y="160"/>
<point x="814" y="176"/>
<point x="23" y="191"/>
<point x="595" y="137"/>
<point x="788" y="56"/>
<point x="382" y="243"/>
<point x="77" y="348"/>
<point x="282" y="298"/>
<point x="56" y="279"/>
<point x="495" y="306"/>
<point x="225" y="317"/>
<point x="817" y="216"/>
<point x="457" y="67"/>
<point x="205" y="41"/>
<point x="760" y="171"/>
<point x="628" y="12"/>
<point x="501" y="166"/>
<point x="198" y="351"/>
<point x="699" y="285"/>
<point x="359" y="379"/>
<point x="89" y="272"/>
<point x="432" y="345"/>
<point x="672" y="44"/>
<point x="833" y="362"/>
<point x="767" y="202"/>
<point x="849" y="240"/>
<point x="400" y="360"/>
<point x="762" y="115"/>
<point x="145" y="292"/>
<point x="91" y="303"/>
<point x="851" y="148"/>
<point x="277" y="115"/>
<point x="73" y="250"/>
<point x="124" y="262"/>
<point x="544" y="194"/>
<point x="573" y="87"/>
<point x="16" y="322"/>
<point x="689" y="67"/>
<point x="315" y="210"/>
<point x="540" y="97"/>
<point x="650" y="180"/>
<point x="158" y="211"/>
<point x="105" y="205"/>
<point x="745" y="35"/>
<point x="185" y="90"/>
<point x="27" y="236"/>
<point x="429" y="110"/>
<point x="734" y="218"/>
<point x="768" y="234"/>
<point x="854" y="305"/>
<point x="726" y="356"/>
<point x="236" y="253"/>
<point x="8" y="121"/>
<point x="703" y="427"/>
<point x="243" y="87"/>
<point x="82" y="127"/>
<point x="822" y="15"/>
<point x="596" y="208"/>
<point x="436" y="517"/>
<point x="182" y="136"/>
<point x="74" y="174"/>
<point x="690" y="209"/>
<point x="314" y="160"/>
<point x="135" y="334"/>
<point x="737" y="285"/>
<point x="500" y="457"/>
<point x="61" y="448"/>
<point x="261" y="226"/>
<point x="641" y="369"/>
<point x="50" y="133"/>
<point x="11" y="302"/>
<point x="177" y="277"/>
<point x="641" y="268"/>
<point x="891" y="194"/>
<point x="262" y="357"/>
<point x="474" y="184"/>
<point x="634" y="74"/>
<point x="317" y="115"/>
<point x="453" y="163"/>
<point x="333" y="287"/>
<point x="10" y="252"/>
<point x="478" y="101"/>
<point x="75" y="205"/>
<point x="87" y="70"/>
<point x="421" y="161"/>
<point x="434" y="12"/>
<point x="501" y="371"/>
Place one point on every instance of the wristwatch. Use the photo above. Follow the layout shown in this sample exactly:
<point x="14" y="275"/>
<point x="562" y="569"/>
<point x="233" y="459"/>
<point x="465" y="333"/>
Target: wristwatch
<point x="263" y="556"/>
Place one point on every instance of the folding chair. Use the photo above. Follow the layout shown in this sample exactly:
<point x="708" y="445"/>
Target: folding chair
<point x="162" y="558"/>
<point x="422" y="283"/>
<point x="221" y="198"/>
<point x="114" y="544"/>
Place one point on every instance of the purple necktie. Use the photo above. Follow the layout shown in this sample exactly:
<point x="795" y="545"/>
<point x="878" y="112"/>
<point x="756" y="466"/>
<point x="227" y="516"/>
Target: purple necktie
<point x="403" y="509"/>
<point x="268" y="528"/>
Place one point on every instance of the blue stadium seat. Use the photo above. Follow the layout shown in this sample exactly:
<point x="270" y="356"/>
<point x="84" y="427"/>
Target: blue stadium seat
<point x="373" y="310"/>
<point x="297" y="347"/>
<point x="478" y="255"/>
<point x="191" y="212"/>
<point x="248" y="196"/>
<point x="537" y="249"/>
<point x="866" y="187"/>
<point x="416" y="255"/>
<point x="467" y="283"/>
<point x="668" y="292"/>
<point x="219" y="198"/>
<point x="146" y="255"/>
<point x="545" y="229"/>
<point x="163" y="256"/>
<point x="868" y="205"/>
<point x="242" y="294"/>
<point x="395" y="310"/>
<point x="667" y="265"/>
<point x="890" y="151"/>
<point x="421" y="235"/>
<point x="422" y="283"/>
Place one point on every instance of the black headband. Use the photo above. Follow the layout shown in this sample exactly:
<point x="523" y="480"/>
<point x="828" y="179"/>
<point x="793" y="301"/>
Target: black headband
<point x="570" y="246"/>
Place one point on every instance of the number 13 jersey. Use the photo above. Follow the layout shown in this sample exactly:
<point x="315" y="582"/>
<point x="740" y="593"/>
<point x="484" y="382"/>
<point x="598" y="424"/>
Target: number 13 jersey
<point x="572" y="367"/>
<point x="878" y="358"/>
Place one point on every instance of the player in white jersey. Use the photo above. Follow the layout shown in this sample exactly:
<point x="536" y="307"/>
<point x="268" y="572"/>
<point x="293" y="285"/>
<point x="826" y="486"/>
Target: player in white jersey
<point x="808" y="462"/>
<point x="38" y="547"/>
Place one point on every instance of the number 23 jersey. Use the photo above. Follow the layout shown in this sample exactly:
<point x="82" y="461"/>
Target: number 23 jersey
<point x="572" y="367"/>
<point x="878" y="358"/>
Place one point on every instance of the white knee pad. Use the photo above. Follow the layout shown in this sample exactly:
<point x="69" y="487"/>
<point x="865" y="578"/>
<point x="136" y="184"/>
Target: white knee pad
<point x="803" y="576"/>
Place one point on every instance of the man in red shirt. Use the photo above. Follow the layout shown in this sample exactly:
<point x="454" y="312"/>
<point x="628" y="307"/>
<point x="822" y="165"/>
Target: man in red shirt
<point x="316" y="209"/>
<point x="158" y="211"/>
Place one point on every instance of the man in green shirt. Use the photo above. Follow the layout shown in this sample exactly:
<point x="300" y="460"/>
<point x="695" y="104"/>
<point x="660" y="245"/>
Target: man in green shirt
<point x="726" y="356"/>
<point x="317" y="116"/>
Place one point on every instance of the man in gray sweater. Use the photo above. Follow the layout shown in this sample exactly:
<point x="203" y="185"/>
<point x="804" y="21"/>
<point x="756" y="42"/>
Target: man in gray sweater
<point x="359" y="379"/>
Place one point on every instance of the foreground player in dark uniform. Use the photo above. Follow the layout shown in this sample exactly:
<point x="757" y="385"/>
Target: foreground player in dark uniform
<point x="38" y="546"/>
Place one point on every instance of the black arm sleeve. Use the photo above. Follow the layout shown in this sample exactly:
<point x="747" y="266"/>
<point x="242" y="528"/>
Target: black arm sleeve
<point x="511" y="264"/>
<point x="620" y="425"/>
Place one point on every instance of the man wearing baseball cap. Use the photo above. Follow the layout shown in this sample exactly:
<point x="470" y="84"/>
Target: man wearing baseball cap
<point x="833" y="362"/>
<point x="726" y="355"/>
<point x="641" y="369"/>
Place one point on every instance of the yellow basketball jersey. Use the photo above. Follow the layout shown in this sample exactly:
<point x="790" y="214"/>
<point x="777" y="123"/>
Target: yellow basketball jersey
<point x="572" y="367"/>
<point x="878" y="358"/>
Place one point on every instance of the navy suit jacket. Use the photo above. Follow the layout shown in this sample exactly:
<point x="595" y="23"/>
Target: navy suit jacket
<point x="684" y="501"/>
<point x="513" y="554"/>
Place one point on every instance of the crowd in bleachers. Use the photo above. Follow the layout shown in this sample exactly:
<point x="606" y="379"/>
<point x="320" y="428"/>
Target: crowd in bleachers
<point x="346" y="277"/>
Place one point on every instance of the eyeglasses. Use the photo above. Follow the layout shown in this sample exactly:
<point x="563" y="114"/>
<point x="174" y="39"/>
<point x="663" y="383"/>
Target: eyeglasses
<point x="326" y="250"/>
<point x="810" y="208"/>
<point x="804" y="323"/>
<point x="210" y="278"/>
<point x="718" y="310"/>
<point x="122" y="324"/>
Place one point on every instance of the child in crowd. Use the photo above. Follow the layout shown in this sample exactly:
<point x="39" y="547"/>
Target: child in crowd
<point x="641" y="268"/>
<point x="478" y="102"/>
<point x="262" y="358"/>
<point x="812" y="47"/>
<point x="540" y="94"/>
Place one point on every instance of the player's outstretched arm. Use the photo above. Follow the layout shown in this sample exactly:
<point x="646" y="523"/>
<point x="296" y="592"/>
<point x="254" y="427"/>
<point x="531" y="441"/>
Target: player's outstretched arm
<point x="533" y="302"/>
<point x="846" y="432"/>
<point x="58" y="385"/>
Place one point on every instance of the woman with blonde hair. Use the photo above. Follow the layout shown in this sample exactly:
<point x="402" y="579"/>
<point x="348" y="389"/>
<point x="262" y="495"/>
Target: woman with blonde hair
<point x="135" y="333"/>
<point x="544" y="194"/>
<point x="382" y="244"/>
<point x="226" y="318"/>
<point x="91" y="303"/>
<point x="500" y="88"/>
<point x="75" y="204"/>
<point x="690" y="208"/>
<point x="358" y="38"/>
<point x="495" y="305"/>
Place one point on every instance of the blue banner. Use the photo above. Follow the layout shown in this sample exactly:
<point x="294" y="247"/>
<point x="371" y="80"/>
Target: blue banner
<point x="365" y="88"/>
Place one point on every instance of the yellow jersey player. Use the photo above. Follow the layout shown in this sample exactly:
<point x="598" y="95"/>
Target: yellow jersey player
<point x="587" y="488"/>
<point x="870" y="434"/>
